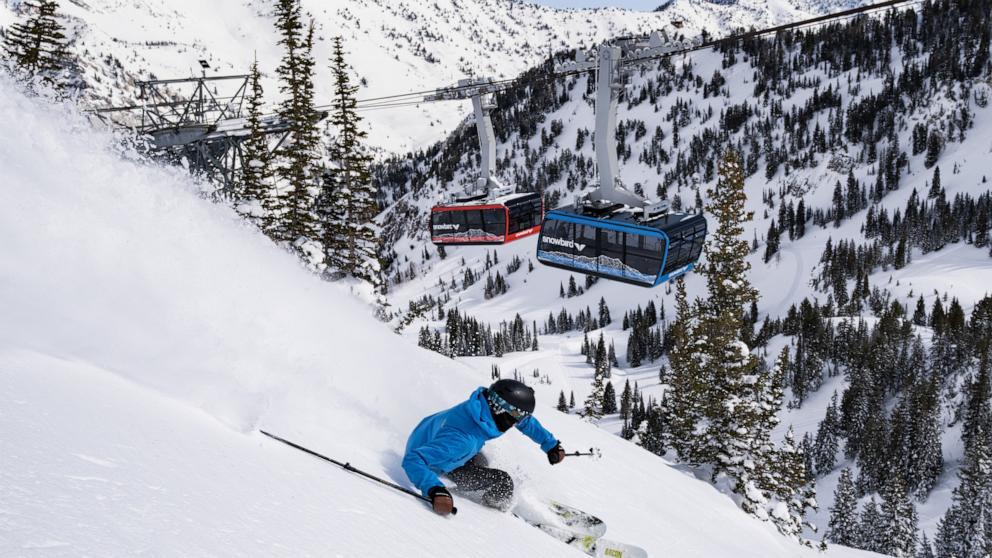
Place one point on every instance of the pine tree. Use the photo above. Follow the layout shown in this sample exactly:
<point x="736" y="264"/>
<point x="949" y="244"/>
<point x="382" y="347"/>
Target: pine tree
<point x="683" y="403"/>
<point x="825" y="447"/>
<point x="562" y="404"/>
<point x="571" y="401"/>
<point x="786" y="480"/>
<point x="926" y="549"/>
<point x="735" y="442"/>
<point x="350" y="239"/>
<point x="255" y="188"/>
<point x="609" y="399"/>
<point x="37" y="48"/>
<point x="573" y="289"/>
<point x="927" y="463"/>
<point x="604" y="313"/>
<point x="625" y="400"/>
<point x="844" y="526"/>
<point x="900" y="520"/>
<point x="966" y="529"/>
<point x="594" y="403"/>
<point x="298" y="156"/>
<point x="872" y="528"/>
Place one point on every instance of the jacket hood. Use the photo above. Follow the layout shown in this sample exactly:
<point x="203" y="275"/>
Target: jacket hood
<point x="479" y="408"/>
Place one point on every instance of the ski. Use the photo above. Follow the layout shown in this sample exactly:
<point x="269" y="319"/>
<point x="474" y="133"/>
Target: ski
<point x="576" y="528"/>
<point x="593" y="546"/>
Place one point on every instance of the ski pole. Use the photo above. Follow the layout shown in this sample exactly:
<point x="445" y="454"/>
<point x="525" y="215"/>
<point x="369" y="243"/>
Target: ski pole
<point x="593" y="452"/>
<point x="349" y="468"/>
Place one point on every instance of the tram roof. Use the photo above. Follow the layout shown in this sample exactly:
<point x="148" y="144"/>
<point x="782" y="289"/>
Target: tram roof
<point x="629" y="217"/>
<point x="501" y="200"/>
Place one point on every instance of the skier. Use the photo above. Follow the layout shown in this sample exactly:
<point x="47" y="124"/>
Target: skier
<point x="448" y="443"/>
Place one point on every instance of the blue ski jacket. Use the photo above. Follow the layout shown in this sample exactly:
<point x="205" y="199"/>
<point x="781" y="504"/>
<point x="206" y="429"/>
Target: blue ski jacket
<point x="446" y="440"/>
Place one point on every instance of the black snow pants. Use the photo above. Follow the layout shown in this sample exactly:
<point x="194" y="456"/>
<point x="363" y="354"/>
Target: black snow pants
<point x="474" y="476"/>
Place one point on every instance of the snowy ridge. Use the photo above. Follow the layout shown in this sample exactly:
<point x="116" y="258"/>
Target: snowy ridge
<point x="395" y="46"/>
<point x="148" y="332"/>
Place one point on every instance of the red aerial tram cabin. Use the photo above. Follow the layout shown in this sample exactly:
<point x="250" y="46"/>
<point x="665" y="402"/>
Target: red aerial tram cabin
<point x="489" y="221"/>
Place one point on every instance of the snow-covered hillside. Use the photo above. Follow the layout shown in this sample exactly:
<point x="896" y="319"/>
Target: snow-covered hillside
<point x="395" y="46"/>
<point x="684" y="116"/>
<point x="146" y="333"/>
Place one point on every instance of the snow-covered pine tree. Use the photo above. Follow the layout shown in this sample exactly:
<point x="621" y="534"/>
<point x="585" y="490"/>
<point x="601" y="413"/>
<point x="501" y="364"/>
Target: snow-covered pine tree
<point x="562" y="403"/>
<point x="793" y="493"/>
<point x="844" y="526"/>
<point x="350" y="240"/>
<point x="594" y="402"/>
<point x="254" y="193"/>
<point x="925" y="549"/>
<point x="872" y="528"/>
<point x="683" y="401"/>
<point x="899" y="517"/>
<point x="826" y="444"/>
<point x="966" y="529"/>
<point x="926" y="447"/>
<point x="297" y="158"/>
<point x="609" y="399"/>
<point x="735" y="441"/>
<point x="37" y="48"/>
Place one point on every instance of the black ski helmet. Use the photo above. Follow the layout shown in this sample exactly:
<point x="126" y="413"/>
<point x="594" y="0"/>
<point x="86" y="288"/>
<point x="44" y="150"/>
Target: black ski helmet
<point x="515" y="393"/>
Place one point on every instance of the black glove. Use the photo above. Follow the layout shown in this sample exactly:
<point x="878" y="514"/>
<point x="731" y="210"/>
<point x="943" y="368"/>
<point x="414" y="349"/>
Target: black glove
<point x="441" y="500"/>
<point x="556" y="454"/>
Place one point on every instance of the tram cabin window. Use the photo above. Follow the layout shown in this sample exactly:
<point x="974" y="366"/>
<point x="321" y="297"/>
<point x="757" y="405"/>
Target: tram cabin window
<point x="644" y="253"/>
<point x="495" y="221"/>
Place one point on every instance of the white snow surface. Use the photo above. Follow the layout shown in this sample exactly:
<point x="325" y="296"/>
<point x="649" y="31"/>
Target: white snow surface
<point x="146" y="333"/>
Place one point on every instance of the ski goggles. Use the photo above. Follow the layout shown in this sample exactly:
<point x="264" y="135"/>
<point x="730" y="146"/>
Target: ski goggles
<point x="503" y="407"/>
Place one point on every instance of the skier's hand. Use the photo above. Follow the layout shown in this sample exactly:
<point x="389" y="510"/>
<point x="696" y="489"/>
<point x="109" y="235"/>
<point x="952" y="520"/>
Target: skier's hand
<point x="441" y="500"/>
<point x="556" y="454"/>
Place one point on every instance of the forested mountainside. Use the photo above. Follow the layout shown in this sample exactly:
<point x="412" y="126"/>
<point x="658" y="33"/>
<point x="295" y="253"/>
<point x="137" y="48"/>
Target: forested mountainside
<point x="864" y="144"/>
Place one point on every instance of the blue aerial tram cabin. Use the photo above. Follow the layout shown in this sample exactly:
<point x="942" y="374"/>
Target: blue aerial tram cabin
<point x="619" y="245"/>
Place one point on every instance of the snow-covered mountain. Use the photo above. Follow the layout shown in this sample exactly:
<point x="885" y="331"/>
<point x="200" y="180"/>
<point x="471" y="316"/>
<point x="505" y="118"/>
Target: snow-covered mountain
<point x="147" y="333"/>
<point x="395" y="46"/>
<point x="675" y="120"/>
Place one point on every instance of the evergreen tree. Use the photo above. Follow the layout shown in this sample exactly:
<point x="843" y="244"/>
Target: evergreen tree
<point x="844" y="526"/>
<point x="926" y="549"/>
<point x="625" y="400"/>
<point x="927" y="457"/>
<point x="772" y="242"/>
<point x="562" y="404"/>
<point x="683" y="403"/>
<point x="900" y="520"/>
<point x="609" y="399"/>
<point x="826" y="444"/>
<point x="37" y="48"/>
<point x="966" y="529"/>
<point x="350" y="240"/>
<point x="255" y="188"/>
<point x="789" y="484"/>
<point x="594" y="403"/>
<point x="571" y="401"/>
<point x="297" y="157"/>
<point x="920" y="314"/>
<point x="735" y="443"/>
<point x="872" y="528"/>
<point x="604" y="313"/>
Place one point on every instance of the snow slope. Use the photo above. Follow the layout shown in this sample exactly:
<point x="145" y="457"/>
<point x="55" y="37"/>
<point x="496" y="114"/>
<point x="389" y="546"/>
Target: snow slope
<point x="961" y="269"/>
<point x="146" y="333"/>
<point x="395" y="46"/>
